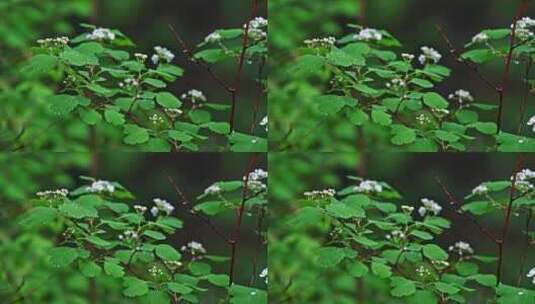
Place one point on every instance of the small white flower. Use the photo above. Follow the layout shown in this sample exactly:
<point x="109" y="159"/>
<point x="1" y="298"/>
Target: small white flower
<point x="531" y="122"/>
<point x="264" y="123"/>
<point x="141" y="56"/>
<point x="481" y="189"/>
<point x="480" y="38"/>
<point x="369" y="186"/>
<point x="407" y="57"/>
<point x="101" y="34"/>
<point x="317" y="194"/>
<point x="162" y="53"/>
<point x="429" y="206"/>
<point x="140" y="209"/>
<point x="194" y="248"/>
<point x="194" y="96"/>
<point x="525" y="22"/>
<point x="58" y="41"/>
<point x="257" y="174"/>
<point x="264" y="274"/>
<point x="461" y="96"/>
<point x="320" y="42"/>
<point x="163" y="205"/>
<point x="429" y="54"/>
<point x="154" y="211"/>
<point x="101" y="186"/>
<point x="213" y="189"/>
<point x="531" y="274"/>
<point x="53" y="193"/>
<point x="524" y="174"/>
<point x="213" y="37"/>
<point x="256" y="26"/>
<point x="368" y="34"/>
<point x="407" y="209"/>
<point x="461" y="248"/>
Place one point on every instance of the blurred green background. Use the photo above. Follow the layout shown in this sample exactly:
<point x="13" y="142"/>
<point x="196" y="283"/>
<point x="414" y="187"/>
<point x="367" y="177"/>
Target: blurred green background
<point x="413" y="23"/>
<point x="146" y="176"/>
<point x="291" y="248"/>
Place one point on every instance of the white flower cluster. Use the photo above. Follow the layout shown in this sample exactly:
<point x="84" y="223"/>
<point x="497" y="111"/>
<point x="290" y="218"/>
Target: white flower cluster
<point x="461" y="248"/>
<point x="320" y="42"/>
<point x="101" y="186"/>
<point x="522" y="28"/>
<point x="162" y="53"/>
<point x="423" y="119"/>
<point x="408" y="57"/>
<point x="58" y="41"/>
<point x="265" y="123"/>
<point x="141" y="56"/>
<point x="316" y="194"/>
<point x="480" y="190"/>
<point x="531" y="274"/>
<point x="194" y="248"/>
<point x="264" y="274"/>
<point x="531" y="122"/>
<point x="129" y="82"/>
<point x="368" y="34"/>
<point x="101" y="34"/>
<point x="480" y="38"/>
<point x="53" y="193"/>
<point x="161" y="205"/>
<point x="156" y="119"/>
<point x="407" y="209"/>
<point x="156" y="271"/>
<point x="254" y="181"/>
<point x="140" y="209"/>
<point x="369" y="186"/>
<point x="423" y="271"/>
<point x="429" y="206"/>
<point x="213" y="37"/>
<point x="522" y="178"/>
<point x="461" y="96"/>
<point x="396" y="83"/>
<point x="194" y="96"/>
<point x="213" y="189"/>
<point x="129" y="235"/>
<point x="440" y="112"/>
<point x="256" y="28"/>
<point x="396" y="235"/>
<point x="429" y="54"/>
<point x="173" y="112"/>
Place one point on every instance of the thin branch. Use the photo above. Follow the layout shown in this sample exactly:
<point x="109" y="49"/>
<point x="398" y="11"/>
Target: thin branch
<point x="526" y="247"/>
<point x="186" y="202"/>
<point x="239" y="217"/>
<point x="235" y="89"/>
<point x="525" y="97"/>
<point x="502" y="87"/>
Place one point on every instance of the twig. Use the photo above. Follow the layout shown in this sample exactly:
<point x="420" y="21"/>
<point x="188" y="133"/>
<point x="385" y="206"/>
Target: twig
<point x="237" y="79"/>
<point x="258" y="245"/>
<point x="525" y="252"/>
<point x="525" y="97"/>
<point x="194" y="212"/>
<point x="239" y="217"/>
<point x="502" y="87"/>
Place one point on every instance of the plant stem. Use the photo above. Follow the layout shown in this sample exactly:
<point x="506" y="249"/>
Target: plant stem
<point x="525" y="97"/>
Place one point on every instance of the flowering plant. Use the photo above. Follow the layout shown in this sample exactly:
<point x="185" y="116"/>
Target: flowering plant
<point x="104" y="234"/>
<point x="389" y="96"/>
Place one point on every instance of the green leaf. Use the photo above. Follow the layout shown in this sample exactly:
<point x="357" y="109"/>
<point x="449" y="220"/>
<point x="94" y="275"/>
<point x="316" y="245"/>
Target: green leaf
<point x="136" y="135"/>
<point x="78" y="59"/>
<point x="167" y="253"/>
<point x="155" y="235"/>
<point x="358" y="269"/>
<point x="113" y="117"/>
<point x="221" y="280"/>
<point x="135" y="287"/>
<point x="38" y="216"/>
<point x="358" y="117"/>
<point x="64" y="104"/>
<point x="179" y="288"/>
<point x="466" y="268"/>
<point x="113" y="269"/>
<point x="171" y="69"/>
<point x="488" y="280"/>
<point x="97" y="241"/>
<point x="222" y="128"/>
<point x="63" y="256"/>
<point x="90" y="269"/>
<point x="199" y="268"/>
<point x="345" y="211"/>
<point x="402" y="287"/>
<point x="332" y="104"/>
<point x="40" y="64"/>
<point x="381" y="270"/>
<point x="90" y="116"/>
<point x="479" y="55"/>
<point x="426" y="84"/>
<point x="434" y="252"/>
<point x="168" y="100"/>
<point x="340" y="58"/>
<point x="155" y="83"/>
<point x="435" y="101"/>
<point x="446" y="288"/>
<point x="402" y="135"/>
<point x="488" y="128"/>
<point x="330" y="256"/>
<point x="247" y="295"/>
<point x="381" y="117"/>
<point x="78" y="211"/>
